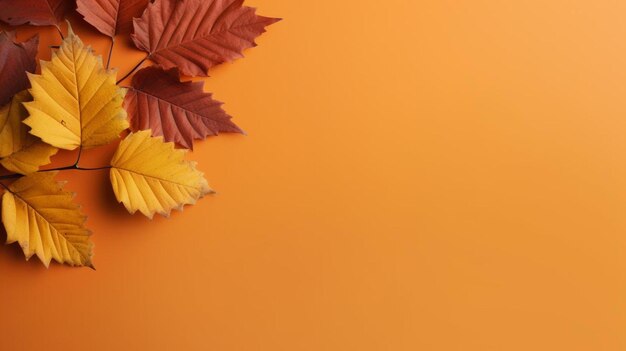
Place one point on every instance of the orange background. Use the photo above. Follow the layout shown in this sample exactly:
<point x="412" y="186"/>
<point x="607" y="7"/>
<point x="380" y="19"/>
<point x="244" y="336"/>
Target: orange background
<point x="418" y="175"/>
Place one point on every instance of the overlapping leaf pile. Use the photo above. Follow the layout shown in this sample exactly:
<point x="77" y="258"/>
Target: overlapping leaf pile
<point x="76" y="103"/>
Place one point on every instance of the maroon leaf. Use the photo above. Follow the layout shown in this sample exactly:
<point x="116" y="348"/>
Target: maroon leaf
<point x="180" y="112"/>
<point x="195" y="35"/>
<point x="111" y="17"/>
<point x="35" y="12"/>
<point x="15" y="60"/>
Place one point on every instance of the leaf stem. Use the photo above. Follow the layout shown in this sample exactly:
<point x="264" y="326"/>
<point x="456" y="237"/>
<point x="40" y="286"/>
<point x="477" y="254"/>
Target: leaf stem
<point x="133" y="70"/>
<point x="110" y="52"/>
<point x="59" y="31"/>
<point x="93" y="169"/>
<point x="10" y="176"/>
<point x="80" y="151"/>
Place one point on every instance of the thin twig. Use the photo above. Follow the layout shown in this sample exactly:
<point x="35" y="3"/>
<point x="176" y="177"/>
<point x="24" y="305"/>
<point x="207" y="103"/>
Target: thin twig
<point x="67" y="168"/>
<point x="132" y="70"/>
<point x="110" y="52"/>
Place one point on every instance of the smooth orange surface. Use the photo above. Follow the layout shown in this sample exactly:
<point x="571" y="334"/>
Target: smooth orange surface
<point x="417" y="175"/>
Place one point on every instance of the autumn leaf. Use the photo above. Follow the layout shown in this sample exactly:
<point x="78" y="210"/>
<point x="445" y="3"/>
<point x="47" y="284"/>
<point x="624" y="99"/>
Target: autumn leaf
<point x="21" y="152"/>
<point x="42" y="217"/>
<point x="111" y="17"/>
<point x="195" y="35"/>
<point x="76" y="101"/>
<point x="181" y="112"/>
<point x="15" y="60"/>
<point x="151" y="176"/>
<point x="35" y="12"/>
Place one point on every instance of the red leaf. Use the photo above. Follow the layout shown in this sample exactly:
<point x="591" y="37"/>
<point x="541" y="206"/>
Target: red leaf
<point x="35" y="12"/>
<point x="111" y="17"/>
<point x="15" y="60"/>
<point x="180" y="112"/>
<point x="195" y="35"/>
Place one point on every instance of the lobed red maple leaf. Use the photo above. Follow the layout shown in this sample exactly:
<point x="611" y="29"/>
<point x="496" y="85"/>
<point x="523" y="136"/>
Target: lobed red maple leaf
<point x="35" y="12"/>
<point x="179" y="111"/>
<point x="15" y="60"/>
<point x="195" y="35"/>
<point x="111" y="17"/>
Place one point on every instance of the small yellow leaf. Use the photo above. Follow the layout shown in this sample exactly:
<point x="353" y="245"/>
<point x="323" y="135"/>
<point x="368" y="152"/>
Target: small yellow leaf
<point x="20" y="152"/>
<point x="76" y="101"/>
<point x="44" y="220"/>
<point x="151" y="176"/>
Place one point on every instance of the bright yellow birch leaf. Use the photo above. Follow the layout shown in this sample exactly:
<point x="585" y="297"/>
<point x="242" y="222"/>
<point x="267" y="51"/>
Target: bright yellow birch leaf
<point x="20" y="152"/>
<point x="76" y="101"/>
<point x="44" y="220"/>
<point x="151" y="176"/>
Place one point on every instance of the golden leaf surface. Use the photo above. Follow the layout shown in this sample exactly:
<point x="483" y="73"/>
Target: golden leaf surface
<point x="42" y="217"/>
<point x="151" y="176"/>
<point x="20" y="152"/>
<point x="76" y="101"/>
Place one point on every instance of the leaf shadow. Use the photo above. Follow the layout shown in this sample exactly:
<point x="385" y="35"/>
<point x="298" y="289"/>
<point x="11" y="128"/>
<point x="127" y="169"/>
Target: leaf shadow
<point x="15" y="256"/>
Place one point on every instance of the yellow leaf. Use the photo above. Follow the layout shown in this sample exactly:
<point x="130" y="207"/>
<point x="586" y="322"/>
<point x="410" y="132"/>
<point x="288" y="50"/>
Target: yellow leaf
<point x="76" y="101"/>
<point x="152" y="176"/>
<point x="20" y="152"/>
<point x="44" y="220"/>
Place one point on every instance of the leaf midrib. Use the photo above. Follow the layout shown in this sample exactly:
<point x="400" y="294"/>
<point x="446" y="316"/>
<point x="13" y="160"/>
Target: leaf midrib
<point x="169" y="48"/>
<point x="170" y="102"/>
<point x="153" y="177"/>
